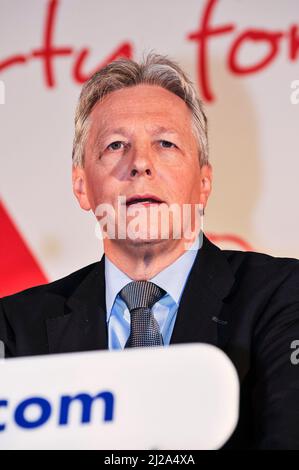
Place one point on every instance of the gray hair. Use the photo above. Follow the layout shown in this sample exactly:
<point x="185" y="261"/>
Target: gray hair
<point x="122" y="73"/>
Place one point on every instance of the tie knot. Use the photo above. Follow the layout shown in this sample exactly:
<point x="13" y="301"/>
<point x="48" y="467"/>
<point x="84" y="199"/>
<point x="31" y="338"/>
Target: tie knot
<point x="141" y="294"/>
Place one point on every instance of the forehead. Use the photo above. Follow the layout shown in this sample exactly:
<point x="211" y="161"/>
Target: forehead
<point x="146" y="105"/>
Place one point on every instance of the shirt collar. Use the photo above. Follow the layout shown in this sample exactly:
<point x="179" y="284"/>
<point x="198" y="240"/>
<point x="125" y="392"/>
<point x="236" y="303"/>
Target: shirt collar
<point x="172" y="278"/>
<point x="115" y="280"/>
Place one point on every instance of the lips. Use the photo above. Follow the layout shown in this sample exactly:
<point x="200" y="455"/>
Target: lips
<point x="143" y="199"/>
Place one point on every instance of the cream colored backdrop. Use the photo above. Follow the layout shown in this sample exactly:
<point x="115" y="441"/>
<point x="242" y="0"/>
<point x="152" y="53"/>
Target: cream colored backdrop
<point x="252" y="108"/>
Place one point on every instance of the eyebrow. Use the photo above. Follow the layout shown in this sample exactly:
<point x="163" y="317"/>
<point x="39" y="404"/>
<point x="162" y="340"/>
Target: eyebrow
<point x="121" y="130"/>
<point x="102" y="133"/>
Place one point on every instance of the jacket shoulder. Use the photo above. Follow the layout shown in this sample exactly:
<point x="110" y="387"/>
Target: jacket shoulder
<point x="253" y="262"/>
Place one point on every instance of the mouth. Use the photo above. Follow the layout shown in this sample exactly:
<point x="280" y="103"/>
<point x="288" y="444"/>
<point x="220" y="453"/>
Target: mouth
<point x="144" y="199"/>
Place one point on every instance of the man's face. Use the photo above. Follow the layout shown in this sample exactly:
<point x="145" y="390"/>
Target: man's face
<point x="140" y="142"/>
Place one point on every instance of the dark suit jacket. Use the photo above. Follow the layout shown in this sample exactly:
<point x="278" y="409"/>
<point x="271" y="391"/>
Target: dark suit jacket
<point x="245" y="303"/>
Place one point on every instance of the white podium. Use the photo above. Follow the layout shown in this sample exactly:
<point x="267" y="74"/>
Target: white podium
<point x="176" y="397"/>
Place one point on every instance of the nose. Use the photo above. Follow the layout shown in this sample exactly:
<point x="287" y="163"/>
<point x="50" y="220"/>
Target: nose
<point x="142" y="163"/>
<point x="135" y="171"/>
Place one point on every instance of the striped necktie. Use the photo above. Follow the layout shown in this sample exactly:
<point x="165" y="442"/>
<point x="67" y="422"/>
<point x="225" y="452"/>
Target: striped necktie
<point x="140" y="296"/>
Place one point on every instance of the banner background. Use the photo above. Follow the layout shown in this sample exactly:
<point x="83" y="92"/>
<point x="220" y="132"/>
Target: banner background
<point x="253" y="123"/>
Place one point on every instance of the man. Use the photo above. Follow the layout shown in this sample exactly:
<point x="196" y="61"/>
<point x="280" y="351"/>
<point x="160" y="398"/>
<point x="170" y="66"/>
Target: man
<point x="141" y="146"/>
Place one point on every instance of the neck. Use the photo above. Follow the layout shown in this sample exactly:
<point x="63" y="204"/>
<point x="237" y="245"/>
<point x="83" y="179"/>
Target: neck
<point x="143" y="260"/>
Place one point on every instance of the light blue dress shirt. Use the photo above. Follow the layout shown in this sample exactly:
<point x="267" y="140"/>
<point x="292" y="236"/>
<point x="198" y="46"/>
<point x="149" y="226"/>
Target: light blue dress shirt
<point x="172" y="279"/>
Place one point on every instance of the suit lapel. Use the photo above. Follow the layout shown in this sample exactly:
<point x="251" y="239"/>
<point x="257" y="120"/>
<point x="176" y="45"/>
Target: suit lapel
<point x="82" y="327"/>
<point x="199" y="314"/>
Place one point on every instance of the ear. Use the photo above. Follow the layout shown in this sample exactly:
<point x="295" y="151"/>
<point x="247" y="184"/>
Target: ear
<point x="206" y="176"/>
<point x="79" y="187"/>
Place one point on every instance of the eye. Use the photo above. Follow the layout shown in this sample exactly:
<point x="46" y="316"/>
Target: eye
<point x="166" y="144"/>
<point x="117" y="145"/>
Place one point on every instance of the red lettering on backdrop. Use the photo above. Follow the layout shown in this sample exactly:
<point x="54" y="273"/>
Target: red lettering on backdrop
<point x="219" y="238"/>
<point x="202" y="36"/>
<point x="124" y="50"/>
<point x="294" y="42"/>
<point x="206" y="31"/>
<point x="254" y="35"/>
<point x="48" y="52"/>
<point x="16" y="59"/>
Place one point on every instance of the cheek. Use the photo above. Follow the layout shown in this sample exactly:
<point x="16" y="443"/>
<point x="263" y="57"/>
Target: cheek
<point x="183" y="181"/>
<point x="96" y="188"/>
